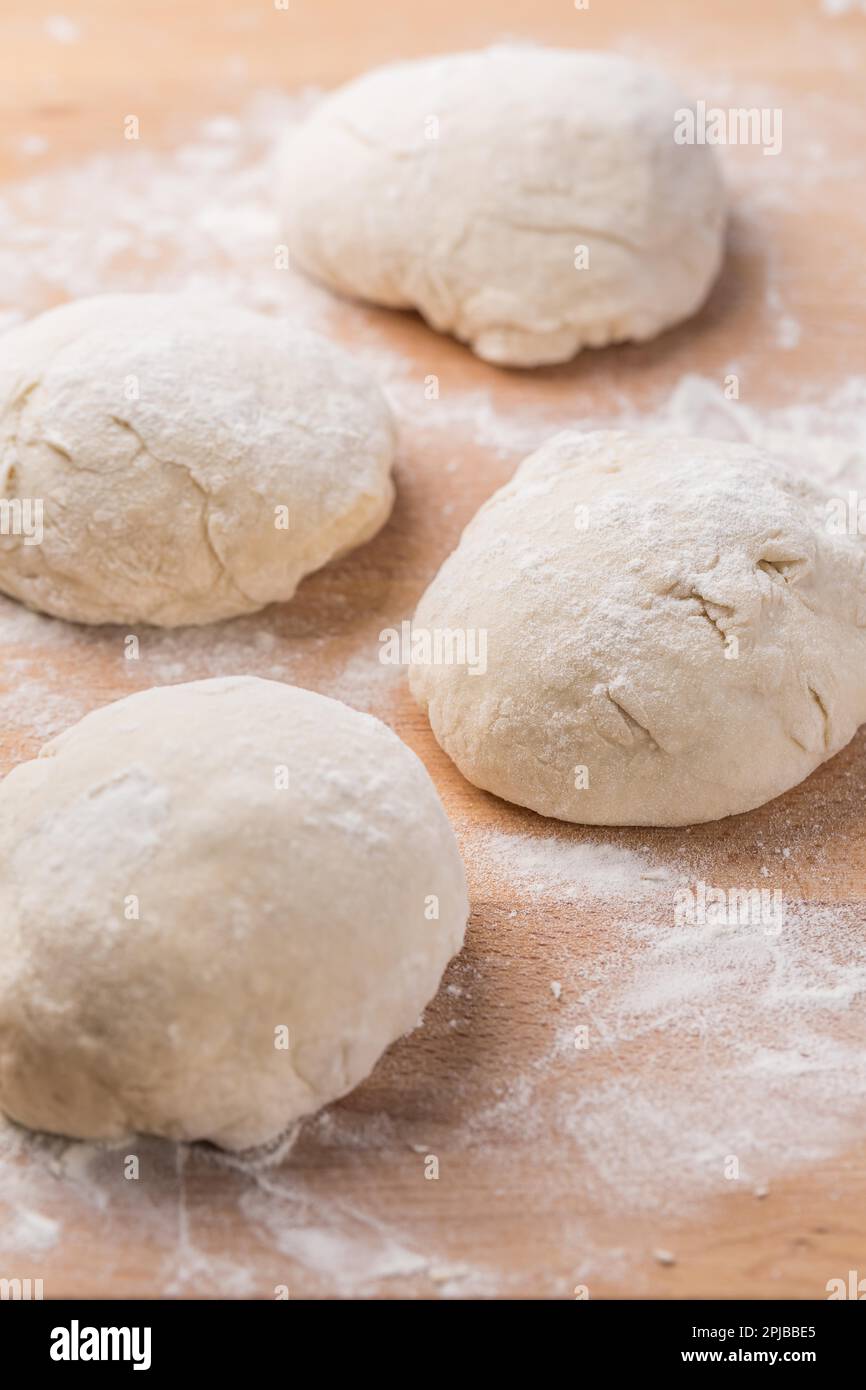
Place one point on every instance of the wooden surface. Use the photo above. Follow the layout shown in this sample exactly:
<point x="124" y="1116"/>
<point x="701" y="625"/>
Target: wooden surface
<point x="514" y="1213"/>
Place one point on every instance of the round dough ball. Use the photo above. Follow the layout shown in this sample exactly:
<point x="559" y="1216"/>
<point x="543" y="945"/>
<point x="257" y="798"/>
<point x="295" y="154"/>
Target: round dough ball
<point x="464" y="186"/>
<point x="162" y="435"/>
<point x="674" y="633"/>
<point x="193" y="869"/>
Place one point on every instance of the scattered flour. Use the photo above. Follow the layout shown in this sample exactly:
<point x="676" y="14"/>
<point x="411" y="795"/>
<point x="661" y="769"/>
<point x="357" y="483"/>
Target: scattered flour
<point x="841" y="7"/>
<point x="61" y="29"/>
<point x="555" y="864"/>
<point x="29" y="1231"/>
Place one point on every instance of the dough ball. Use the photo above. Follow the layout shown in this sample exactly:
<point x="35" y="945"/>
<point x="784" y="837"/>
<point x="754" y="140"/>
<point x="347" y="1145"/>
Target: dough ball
<point x="162" y="435"/>
<point x="463" y="186"/>
<point x="168" y="904"/>
<point x="674" y="632"/>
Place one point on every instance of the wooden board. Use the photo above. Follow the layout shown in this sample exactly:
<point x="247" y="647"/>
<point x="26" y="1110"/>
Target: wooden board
<point x="514" y="1210"/>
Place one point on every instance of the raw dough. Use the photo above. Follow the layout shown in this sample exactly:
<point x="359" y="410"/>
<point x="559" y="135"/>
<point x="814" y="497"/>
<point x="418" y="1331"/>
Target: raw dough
<point x="463" y="186"/>
<point x="162" y="434"/>
<point x="673" y="616"/>
<point x="261" y="907"/>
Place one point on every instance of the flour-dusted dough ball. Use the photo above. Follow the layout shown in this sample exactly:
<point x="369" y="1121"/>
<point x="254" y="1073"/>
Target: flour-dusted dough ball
<point x="191" y="871"/>
<point x="194" y="461"/>
<point x="674" y="632"/>
<point x="476" y="187"/>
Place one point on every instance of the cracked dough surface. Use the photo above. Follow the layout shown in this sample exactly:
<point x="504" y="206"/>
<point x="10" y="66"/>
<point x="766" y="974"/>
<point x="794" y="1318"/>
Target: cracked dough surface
<point x="461" y="186"/>
<point x="303" y="907"/>
<point x="161" y="433"/>
<point x="676" y="616"/>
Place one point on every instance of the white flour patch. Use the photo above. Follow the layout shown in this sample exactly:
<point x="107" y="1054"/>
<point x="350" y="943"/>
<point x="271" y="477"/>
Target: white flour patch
<point x="834" y="8"/>
<point x="823" y="436"/>
<point x="728" y="1056"/>
<point x="366" y="683"/>
<point x="569" y="870"/>
<point x="199" y="217"/>
<point x="687" y="1061"/>
<point x="470" y="415"/>
<point x="344" y="1245"/>
<point x="29" y="1232"/>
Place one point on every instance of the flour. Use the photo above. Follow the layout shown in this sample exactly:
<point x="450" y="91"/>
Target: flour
<point x="201" y="213"/>
<point x="30" y="1231"/>
<point x="555" y="865"/>
<point x="679" y="1051"/>
<point x="702" y="1044"/>
<point x="342" y="1244"/>
<point x="752" y="1110"/>
<point x="842" y="7"/>
<point x="823" y="434"/>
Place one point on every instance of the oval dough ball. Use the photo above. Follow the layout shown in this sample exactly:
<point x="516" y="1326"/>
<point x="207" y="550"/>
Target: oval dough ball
<point x="465" y="186"/>
<point x="674" y="633"/>
<point x="168" y="905"/>
<point x="162" y="435"/>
